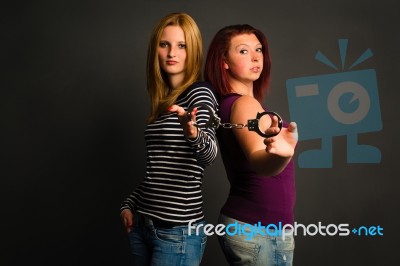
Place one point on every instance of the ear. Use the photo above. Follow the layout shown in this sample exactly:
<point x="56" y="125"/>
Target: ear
<point x="226" y="66"/>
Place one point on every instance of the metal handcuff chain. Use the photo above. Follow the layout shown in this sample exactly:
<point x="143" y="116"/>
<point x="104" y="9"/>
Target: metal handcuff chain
<point x="252" y="124"/>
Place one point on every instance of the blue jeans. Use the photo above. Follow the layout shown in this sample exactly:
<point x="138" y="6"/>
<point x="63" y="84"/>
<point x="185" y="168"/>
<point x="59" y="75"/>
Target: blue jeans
<point x="151" y="245"/>
<point x="256" y="250"/>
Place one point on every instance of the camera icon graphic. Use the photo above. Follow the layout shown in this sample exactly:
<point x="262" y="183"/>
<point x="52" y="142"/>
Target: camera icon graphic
<point x="339" y="104"/>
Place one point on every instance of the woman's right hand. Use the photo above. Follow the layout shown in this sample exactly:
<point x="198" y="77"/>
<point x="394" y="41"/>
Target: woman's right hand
<point x="127" y="219"/>
<point x="187" y="120"/>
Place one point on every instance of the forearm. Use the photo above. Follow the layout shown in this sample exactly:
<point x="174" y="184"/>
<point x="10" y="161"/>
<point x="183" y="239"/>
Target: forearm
<point x="204" y="147"/>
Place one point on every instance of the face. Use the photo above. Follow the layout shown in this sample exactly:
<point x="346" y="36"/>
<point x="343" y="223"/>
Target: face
<point x="244" y="61"/>
<point x="172" y="52"/>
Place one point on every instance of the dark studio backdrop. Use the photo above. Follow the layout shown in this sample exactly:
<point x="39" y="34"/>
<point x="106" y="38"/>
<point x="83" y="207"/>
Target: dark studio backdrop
<point x="74" y="102"/>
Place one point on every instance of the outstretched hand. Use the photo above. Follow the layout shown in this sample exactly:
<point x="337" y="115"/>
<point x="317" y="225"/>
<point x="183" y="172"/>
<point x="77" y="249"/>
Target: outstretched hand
<point x="187" y="120"/>
<point x="285" y="142"/>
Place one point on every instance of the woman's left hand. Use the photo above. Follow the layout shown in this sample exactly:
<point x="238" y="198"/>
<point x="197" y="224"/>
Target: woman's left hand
<point x="285" y="142"/>
<point x="187" y="120"/>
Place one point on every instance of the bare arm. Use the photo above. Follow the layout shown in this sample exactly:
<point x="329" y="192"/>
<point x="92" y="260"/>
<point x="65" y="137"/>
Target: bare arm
<point x="266" y="156"/>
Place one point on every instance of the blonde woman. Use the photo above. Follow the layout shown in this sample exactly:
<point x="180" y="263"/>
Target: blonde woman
<point x="157" y="213"/>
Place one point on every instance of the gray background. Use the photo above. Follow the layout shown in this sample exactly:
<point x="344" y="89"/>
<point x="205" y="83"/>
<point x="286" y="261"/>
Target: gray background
<point x="73" y="105"/>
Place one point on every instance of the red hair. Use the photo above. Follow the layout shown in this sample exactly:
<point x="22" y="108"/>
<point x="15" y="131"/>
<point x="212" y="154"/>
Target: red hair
<point x="216" y="74"/>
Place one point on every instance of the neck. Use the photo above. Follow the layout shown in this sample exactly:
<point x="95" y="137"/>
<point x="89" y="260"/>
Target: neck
<point x="175" y="80"/>
<point x="241" y="87"/>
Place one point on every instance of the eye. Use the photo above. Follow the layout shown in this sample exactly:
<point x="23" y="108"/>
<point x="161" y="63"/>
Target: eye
<point x="259" y="50"/>
<point x="163" y="44"/>
<point x="243" y="51"/>
<point x="182" y="46"/>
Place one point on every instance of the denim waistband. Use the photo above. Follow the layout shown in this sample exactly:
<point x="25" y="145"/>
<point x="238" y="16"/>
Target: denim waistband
<point x="145" y="220"/>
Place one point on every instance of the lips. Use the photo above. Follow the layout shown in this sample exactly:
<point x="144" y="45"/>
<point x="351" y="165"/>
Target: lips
<point x="171" y="62"/>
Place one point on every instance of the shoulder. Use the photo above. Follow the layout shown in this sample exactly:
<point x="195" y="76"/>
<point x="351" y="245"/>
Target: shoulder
<point x="246" y="103"/>
<point x="201" y="83"/>
<point x="201" y="86"/>
<point x="244" y="108"/>
<point x="201" y="89"/>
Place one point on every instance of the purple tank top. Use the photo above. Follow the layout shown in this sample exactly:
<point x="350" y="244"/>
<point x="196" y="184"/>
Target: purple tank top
<point x="253" y="198"/>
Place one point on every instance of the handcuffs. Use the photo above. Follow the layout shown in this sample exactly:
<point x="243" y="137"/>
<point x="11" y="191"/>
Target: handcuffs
<point x="252" y="124"/>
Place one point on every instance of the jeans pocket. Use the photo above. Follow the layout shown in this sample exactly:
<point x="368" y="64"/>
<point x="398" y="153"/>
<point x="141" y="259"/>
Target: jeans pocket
<point x="170" y="236"/>
<point x="285" y="245"/>
<point x="285" y="251"/>
<point x="239" y="251"/>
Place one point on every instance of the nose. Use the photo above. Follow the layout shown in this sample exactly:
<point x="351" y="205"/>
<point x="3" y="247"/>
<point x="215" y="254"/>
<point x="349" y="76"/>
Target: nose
<point x="171" y="52"/>
<point x="255" y="57"/>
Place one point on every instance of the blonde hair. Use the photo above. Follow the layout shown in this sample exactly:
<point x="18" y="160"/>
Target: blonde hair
<point x="161" y="95"/>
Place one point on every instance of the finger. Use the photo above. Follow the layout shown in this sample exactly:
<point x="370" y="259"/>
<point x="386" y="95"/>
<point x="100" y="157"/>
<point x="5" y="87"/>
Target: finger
<point x="192" y="114"/>
<point x="274" y="122"/>
<point x="129" y="223"/>
<point x="190" y="117"/>
<point x="128" y="229"/>
<point x="172" y="108"/>
<point x="292" y="127"/>
<point x="176" y="109"/>
<point x="268" y="141"/>
<point x="272" y="130"/>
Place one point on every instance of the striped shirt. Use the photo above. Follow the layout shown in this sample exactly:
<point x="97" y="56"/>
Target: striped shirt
<point x="171" y="188"/>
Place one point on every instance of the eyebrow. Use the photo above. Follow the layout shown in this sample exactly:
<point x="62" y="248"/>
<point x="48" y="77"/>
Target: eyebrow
<point x="179" y="42"/>
<point x="258" y="44"/>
